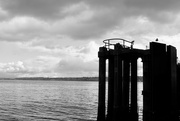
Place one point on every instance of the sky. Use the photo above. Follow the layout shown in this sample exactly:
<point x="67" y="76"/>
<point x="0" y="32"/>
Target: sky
<point x="61" y="38"/>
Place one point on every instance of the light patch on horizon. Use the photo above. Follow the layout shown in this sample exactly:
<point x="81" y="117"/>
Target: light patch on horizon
<point x="61" y="38"/>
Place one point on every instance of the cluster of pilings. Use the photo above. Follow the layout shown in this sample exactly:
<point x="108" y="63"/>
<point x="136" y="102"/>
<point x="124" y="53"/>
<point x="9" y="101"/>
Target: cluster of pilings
<point x="160" y="85"/>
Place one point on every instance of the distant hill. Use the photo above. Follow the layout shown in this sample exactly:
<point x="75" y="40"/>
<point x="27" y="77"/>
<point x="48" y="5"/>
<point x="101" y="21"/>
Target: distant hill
<point x="60" y="78"/>
<point x="140" y="78"/>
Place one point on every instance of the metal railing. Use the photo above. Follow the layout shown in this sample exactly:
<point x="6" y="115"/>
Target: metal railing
<point x="109" y="42"/>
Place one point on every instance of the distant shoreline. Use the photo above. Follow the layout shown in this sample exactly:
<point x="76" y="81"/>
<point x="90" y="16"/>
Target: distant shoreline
<point x="140" y="78"/>
<point x="54" y="78"/>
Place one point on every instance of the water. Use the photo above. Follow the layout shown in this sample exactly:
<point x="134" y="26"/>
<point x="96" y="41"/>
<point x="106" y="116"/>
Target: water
<point x="49" y="100"/>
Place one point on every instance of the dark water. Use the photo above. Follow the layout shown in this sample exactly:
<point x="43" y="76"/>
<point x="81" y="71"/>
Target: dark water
<point x="49" y="100"/>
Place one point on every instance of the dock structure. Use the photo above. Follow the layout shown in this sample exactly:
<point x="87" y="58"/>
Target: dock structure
<point x="160" y="82"/>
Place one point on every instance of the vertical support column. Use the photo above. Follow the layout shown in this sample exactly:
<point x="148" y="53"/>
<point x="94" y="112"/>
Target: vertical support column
<point x="125" y="95"/>
<point x="147" y="88"/>
<point x="178" y="85"/>
<point x="117" y="83"/>
<point x="172" y="71"/>
<point x="102" y="83"/>
<point x="133" y="110"/>
<point x="161" y="85"/>
<point x="110" y="87"/>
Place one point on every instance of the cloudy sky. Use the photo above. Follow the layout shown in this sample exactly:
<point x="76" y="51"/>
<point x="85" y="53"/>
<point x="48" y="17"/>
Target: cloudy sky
<point x="61" y="37"/>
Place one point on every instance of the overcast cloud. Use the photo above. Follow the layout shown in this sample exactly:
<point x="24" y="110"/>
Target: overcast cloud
<point x="61" y="37"/>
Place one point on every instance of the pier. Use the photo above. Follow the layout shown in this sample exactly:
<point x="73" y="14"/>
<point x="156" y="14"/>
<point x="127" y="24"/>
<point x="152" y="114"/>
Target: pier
<point x="161" y="79"/>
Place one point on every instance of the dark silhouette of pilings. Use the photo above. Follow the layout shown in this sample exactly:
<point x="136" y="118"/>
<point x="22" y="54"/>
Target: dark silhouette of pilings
<point x="159" y="99"/>
<point x="119" y="66"/>
<point x="161" y="95"/>
<point x="159" y="83"/>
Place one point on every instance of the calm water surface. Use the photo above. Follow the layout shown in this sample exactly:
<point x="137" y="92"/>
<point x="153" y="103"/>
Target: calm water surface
<point x="49" y="100"/>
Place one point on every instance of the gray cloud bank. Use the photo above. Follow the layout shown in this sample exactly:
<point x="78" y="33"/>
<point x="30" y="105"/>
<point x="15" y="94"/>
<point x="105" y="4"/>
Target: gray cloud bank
<point x="84" y="19"/>
<point x="47" y="26"/>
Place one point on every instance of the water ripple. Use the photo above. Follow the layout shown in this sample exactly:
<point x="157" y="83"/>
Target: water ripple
<point x="49" y="101"/>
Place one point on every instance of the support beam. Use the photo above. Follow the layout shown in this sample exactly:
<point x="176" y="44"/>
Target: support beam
<point x="102" y="84"/>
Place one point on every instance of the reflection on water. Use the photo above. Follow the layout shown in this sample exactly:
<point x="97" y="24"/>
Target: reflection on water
<point x="49" y="100"/>
<point x="140" y="100"/>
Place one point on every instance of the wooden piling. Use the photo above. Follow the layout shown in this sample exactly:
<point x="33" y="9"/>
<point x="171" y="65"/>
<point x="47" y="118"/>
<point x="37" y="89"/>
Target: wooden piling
<point x="178" y="86"/>
<point x="117" y="84"/>
<point x="160" y="82"/>
<point x="147" y="89"/>
<point x="102" y="84"/>
<point x="172" y="76"/>
<point x="125" y="93"/>
<point x="110" y="87"/>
